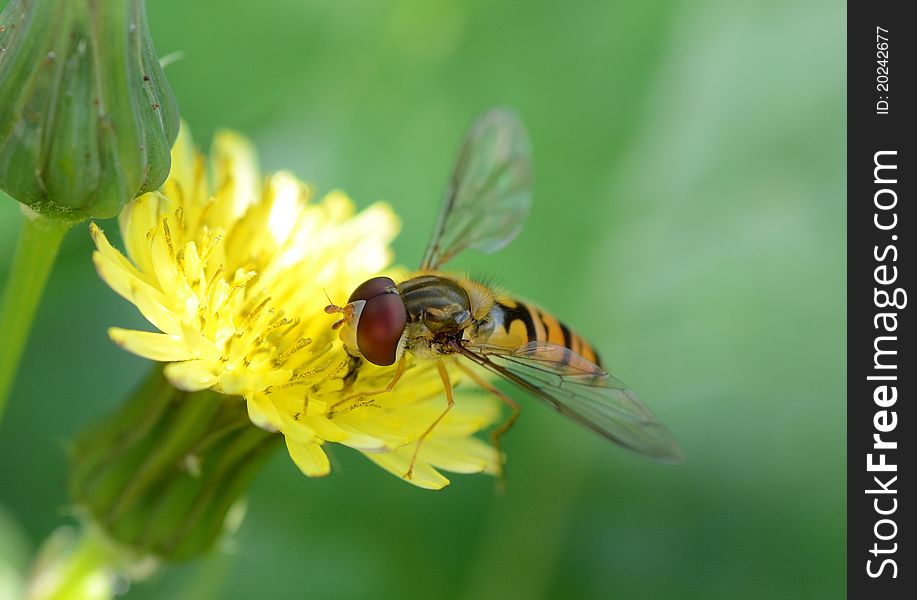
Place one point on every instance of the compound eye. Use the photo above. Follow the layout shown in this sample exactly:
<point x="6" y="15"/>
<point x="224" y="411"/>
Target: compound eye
<point x="370" y="288"/>
<point x="380" y="327"/>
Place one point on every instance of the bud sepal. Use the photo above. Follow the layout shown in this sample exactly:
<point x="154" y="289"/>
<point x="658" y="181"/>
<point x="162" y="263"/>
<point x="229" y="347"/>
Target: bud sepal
<point x="163" y="473"/>
<point x="88" y="117"/>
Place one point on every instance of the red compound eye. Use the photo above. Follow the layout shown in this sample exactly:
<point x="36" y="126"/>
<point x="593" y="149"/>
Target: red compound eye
<point x="382" y="320"/>
<point x="371" y="287"/>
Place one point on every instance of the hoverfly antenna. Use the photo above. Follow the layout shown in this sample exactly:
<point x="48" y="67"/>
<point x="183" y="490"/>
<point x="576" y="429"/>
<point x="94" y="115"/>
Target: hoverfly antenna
<point x="332" y="307"/>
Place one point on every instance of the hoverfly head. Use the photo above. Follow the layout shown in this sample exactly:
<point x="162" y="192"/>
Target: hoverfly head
<point x="373" y="320"/>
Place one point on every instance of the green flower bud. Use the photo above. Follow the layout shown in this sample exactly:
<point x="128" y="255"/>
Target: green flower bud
<point x="161" y="475"/>
<point x="87" y="117"/>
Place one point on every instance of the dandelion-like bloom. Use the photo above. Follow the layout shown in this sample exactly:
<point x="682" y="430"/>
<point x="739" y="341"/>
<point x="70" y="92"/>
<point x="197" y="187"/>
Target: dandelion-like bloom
<point x="234" y="277"/>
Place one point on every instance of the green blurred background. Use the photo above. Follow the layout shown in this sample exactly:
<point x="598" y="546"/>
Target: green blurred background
<point x="689" y="218"/>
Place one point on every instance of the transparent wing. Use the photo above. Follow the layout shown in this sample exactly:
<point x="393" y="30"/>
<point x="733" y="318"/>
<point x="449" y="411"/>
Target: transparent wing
<point x="575" y="387"/>
<point x="490" y="192"/>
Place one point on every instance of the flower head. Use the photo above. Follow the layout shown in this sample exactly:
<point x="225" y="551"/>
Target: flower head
<point x="235" y="277"/>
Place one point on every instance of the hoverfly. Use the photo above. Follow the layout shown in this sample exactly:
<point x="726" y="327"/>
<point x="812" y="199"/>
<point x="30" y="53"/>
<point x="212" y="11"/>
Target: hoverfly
<point x="436" y="316"/>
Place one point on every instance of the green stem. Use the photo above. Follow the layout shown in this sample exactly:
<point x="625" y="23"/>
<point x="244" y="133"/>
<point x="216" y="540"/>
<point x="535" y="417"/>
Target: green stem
<point x="36" y="250"/>
<point x="83" y="571"/>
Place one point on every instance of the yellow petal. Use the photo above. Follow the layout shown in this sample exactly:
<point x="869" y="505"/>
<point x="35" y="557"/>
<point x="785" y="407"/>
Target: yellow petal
<point x="349" y="436"/>
<point x="296" y="431"/>
<point x="138" y="218"/>
<point x="286" y="205"/>
<point x="262" y="413"/>
<point x="240" y="380"/>
<point x="337" y="205"/>
<point x="106" y="249"/>
<point x="235" y="174"/>
<point x="396" y="462"/>
<point x="371" y="435"/>
<point x="133" y="289"/>
<point x="460" y="455"/>
<point x="309" y="457"/>
<point x="191" y="375"/>
<point x="325" y="429"/>
<point x="184" y="158"/>
<point x="165" y="269"/>
<point x="155" y="346"/>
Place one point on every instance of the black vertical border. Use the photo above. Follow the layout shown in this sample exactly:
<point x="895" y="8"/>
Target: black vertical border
<point x="868" y="133"/>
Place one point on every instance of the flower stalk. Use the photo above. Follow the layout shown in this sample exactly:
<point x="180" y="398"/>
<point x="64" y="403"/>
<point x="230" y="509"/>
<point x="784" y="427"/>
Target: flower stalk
<point x="161" y="475"/>
<point x="86" y="124"/>
<point x="84" y="566"/>
<point x="36" y="250"/>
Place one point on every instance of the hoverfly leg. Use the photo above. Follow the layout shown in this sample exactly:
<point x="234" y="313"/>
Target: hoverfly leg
<point x="505" y="426"/>
<point x="450" y="402"/>
<point x="399" y="371"/>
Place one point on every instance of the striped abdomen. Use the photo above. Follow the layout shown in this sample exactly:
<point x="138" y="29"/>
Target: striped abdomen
<point x="529" y="323"/>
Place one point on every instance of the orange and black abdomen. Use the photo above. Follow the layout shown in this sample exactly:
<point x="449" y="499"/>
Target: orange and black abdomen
<point x="532" y="324"/>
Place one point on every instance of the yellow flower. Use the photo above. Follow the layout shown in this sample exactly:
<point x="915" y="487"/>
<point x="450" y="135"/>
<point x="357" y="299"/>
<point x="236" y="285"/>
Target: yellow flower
<point x="234" y="277"/>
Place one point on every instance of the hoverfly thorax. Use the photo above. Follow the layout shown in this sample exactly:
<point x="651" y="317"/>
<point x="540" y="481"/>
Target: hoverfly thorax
<point x="441" y="304"/>
<point x="374" y="321"/>
<point x="451" y="319"/>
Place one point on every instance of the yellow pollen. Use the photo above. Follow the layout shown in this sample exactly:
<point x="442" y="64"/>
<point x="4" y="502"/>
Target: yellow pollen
<point x="210" y="248"/>
<point x="180" y="218"/>
<point x="296" y="347"/>
<point x="168" y="234"/>
<point x="211" y="286"/>
<point x="251" y="317"/>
